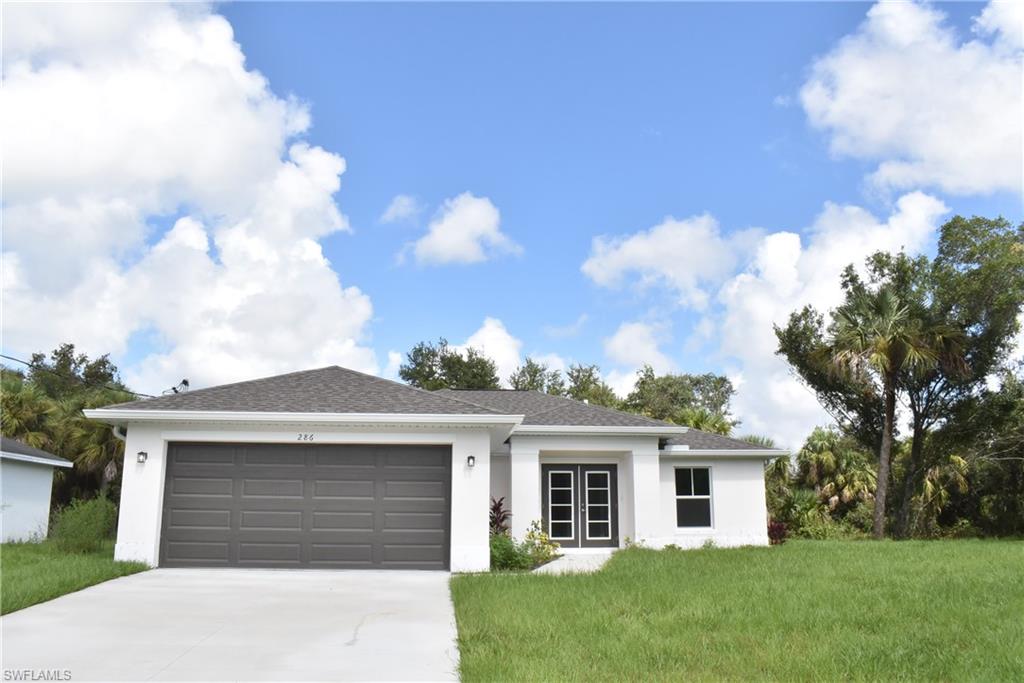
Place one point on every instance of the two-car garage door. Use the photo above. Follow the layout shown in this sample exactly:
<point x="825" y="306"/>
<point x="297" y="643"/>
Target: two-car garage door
<point x="299" y="505"/>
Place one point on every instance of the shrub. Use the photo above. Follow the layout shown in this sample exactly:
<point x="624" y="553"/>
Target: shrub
<point x="861" y="516"/>
<point x="962" y="528"/>
<point x="826" y="529"/>
<point x="82" y="526"/>
<point x="539" y="546"/>
<point x="507" y="554"/>
<point x="777" y="532"/>
<point x="536" y="549"/>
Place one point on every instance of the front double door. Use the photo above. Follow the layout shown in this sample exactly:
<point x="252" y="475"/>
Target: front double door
<point x="580" y="505"/>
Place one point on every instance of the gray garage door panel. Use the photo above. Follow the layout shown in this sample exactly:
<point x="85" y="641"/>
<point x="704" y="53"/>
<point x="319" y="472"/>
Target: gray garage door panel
<point x="292" y="505"/>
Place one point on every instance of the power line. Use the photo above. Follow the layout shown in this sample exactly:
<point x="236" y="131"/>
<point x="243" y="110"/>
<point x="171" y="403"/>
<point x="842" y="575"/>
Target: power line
<point x="43" y="368"/>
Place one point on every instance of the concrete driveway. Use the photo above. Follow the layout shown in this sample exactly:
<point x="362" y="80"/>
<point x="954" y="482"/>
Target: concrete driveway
<point x="230" y="624"/>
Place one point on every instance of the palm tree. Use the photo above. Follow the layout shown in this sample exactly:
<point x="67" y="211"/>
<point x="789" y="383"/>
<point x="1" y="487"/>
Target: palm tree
<point x="940" y="482"/>
<point x="24" y="412"/>
<point x="705" y="420"/>
<point x="758" y="440"/>
<point x="838" y="471"/>
<point x="874" y="338"/>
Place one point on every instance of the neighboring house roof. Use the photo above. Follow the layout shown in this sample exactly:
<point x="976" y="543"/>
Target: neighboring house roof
<point x="325" y="390"/>
<point x="13" y="449"/>
<point x="538" y="408"/>
<point x="694" y="439"/>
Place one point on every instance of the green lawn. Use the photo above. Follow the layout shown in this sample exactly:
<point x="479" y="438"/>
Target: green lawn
<point x="807" y="610"/>
<point x="36" y="572"/>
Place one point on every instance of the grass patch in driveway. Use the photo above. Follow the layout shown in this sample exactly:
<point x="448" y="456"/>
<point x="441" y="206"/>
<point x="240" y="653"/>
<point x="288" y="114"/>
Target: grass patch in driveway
<point x="807" y="610"/>
<point x="35" y="572"/>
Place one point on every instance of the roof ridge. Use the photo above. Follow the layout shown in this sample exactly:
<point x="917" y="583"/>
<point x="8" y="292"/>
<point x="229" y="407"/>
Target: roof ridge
<point x="557" y="398"/>
<point x="312" y="371"/>
<point x="602" y="408"/>
<point x="477" y="405"/>
<point x="513" y="391"/>
<point x="229" y="384"/>
<point x="425" y="391"/>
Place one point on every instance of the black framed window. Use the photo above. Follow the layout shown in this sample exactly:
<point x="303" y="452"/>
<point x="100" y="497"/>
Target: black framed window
<point x="693" y="496"/>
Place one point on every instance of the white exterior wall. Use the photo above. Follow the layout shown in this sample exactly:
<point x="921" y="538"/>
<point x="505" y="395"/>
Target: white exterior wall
<point x="646" y="488"/>
<point x="501" y="477"/>
<point x="739" y="513"/>
<point x="636" y="459"/>
<point x="142" y="486"/>
<point x="24" y="500"/>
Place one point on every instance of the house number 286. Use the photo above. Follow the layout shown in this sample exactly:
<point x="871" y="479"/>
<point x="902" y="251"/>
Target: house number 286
<point x="305" y="437"/>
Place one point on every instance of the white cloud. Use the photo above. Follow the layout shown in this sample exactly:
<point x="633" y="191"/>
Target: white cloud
<point x="117" y="118"/>
<point x="637" y="343"/>
<point x="789" y="272"/>
<point x="402" y="207"/>
<point x="622" y="382"/>
<point x="552" y="360"/>
<point x="495" y="342"/>
<point x="687" y="255"/>
<point x="467" y="229"/>
<point x="395" y="360"/>
<point x="631" y="346"/>
<point x="570" y="330"/>
<point x="932" y="109"/>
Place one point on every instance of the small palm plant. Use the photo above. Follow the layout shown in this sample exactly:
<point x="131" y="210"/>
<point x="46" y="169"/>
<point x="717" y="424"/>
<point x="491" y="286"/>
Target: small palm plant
<point x="838" y="471"/>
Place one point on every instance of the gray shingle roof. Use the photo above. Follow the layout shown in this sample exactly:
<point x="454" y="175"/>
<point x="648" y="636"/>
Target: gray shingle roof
<point x="544" y="409"/>
<point x="325" y="390"/>
<point x="15" y="447"/>
<point x="340" y="390"/>
<point x="698" y="440"/>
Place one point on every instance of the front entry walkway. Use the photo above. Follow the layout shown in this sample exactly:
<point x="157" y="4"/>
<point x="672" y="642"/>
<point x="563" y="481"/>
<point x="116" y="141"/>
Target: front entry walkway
<point x="576" y="563"/>
<point x="242" y="624"/>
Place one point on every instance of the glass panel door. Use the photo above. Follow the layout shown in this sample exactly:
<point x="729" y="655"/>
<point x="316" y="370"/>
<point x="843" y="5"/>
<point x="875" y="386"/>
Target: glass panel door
<point x="600" y="509"/>
<point x="579" y="504"/>
<point x="561" y="504"/>
<point x="599" y="504"/>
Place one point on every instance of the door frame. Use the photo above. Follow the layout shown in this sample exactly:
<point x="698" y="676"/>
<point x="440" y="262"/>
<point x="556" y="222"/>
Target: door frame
<point x="580" y="505"/>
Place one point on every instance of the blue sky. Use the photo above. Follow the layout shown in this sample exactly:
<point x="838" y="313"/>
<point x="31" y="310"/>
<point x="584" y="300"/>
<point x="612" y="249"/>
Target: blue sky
<point x="575" y="120"/>
<point x="727" y="159"/>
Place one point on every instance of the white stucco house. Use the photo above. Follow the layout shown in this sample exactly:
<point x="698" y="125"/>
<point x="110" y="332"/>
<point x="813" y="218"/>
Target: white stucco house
<point x="333" y="468"/>
<point x="26" y="480"/>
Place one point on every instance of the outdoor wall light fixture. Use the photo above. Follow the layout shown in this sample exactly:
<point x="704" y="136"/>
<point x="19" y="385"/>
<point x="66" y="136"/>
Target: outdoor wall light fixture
<point x="470" y="461"/>
<point x="141" y="456"/>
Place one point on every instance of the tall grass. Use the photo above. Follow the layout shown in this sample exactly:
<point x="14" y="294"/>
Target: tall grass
<point x="35" y="572"/>
<point x="807" y="610"/>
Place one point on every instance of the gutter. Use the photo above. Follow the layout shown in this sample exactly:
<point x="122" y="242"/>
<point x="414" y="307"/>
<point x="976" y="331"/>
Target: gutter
<point x="119" y="417"/>
<point x="36" y="460"/>
<point x="604" y="430"/>
<point x="766" y="453"/>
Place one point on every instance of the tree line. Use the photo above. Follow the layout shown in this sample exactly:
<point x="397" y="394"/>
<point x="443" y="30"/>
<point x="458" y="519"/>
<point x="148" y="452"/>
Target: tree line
<point x="698" y="400"/>
<point x="914" y="366"/>
<point x="42" y="407"/>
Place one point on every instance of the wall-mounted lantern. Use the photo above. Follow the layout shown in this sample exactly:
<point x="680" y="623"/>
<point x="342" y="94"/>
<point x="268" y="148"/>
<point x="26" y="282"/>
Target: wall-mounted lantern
<point x="141" y="457"/>
<point x="471" y="461"/>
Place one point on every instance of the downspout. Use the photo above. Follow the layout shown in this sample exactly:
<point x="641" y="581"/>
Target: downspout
<point x="118" y="431"/>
